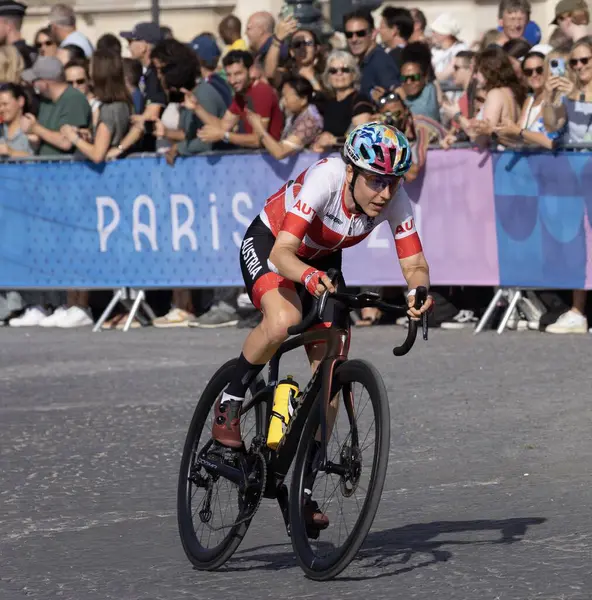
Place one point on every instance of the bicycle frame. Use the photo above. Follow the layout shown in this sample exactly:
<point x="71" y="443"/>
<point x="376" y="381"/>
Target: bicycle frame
<point x="337" y="344"/>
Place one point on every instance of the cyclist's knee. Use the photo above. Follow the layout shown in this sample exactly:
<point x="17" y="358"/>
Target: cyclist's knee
<point x="276" y="324"/>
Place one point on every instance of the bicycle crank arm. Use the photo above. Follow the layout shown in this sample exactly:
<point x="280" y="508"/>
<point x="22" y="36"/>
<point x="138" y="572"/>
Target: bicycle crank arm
<point x="218" y="468"/>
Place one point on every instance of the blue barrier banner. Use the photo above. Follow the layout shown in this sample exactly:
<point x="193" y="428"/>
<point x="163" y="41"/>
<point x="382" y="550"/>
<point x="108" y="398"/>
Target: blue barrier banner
<point x="135" y="222"/>
<point x="543" y="206"/>
<point x="517" y="220"/>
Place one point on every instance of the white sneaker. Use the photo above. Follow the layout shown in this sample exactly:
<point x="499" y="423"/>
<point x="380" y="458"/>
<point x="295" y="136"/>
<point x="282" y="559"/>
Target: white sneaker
<point x="243" y="301"/>
<point x="569" y="322"/>
<point x="75" y="317"/>
<point x="53" y="319"/>
<point x="31" y="317"/>
<point x="534" y="325"/>
<point x="464" y="318"/>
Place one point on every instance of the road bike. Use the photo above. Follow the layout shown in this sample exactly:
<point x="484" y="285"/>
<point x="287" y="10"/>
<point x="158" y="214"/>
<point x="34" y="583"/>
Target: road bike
<point x="326" y="441"/>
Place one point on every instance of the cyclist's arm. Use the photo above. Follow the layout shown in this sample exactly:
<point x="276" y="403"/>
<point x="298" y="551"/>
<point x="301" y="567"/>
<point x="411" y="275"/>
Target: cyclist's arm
<point x="407" y="243"/>
<point x="415" y="270"/>
<point x="283" y="257"/>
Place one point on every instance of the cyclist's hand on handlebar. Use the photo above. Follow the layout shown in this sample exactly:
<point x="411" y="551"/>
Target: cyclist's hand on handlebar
<point x="317" y="282"/>
<point x="415" y="313"/>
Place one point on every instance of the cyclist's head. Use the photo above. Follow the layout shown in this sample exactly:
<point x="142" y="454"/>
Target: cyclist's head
<point x="380" y="153"/>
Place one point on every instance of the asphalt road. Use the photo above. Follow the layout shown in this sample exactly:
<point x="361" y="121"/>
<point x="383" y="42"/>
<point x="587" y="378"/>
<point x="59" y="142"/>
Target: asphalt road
<point x="488" y="492"/>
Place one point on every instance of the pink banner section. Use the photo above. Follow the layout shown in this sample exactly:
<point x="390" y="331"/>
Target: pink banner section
<point x="453" y="202"/>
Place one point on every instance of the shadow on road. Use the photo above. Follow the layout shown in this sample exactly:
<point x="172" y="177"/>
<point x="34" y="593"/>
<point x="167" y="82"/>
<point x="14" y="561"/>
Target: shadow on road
<point x="397" y="547"/>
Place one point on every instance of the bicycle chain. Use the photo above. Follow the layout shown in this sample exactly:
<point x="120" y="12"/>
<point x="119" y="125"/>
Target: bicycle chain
<point x="252" y="514"/>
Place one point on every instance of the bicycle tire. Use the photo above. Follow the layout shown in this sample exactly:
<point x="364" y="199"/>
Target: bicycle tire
<point x="351" y="371"/>
<point x="203" y="558"/>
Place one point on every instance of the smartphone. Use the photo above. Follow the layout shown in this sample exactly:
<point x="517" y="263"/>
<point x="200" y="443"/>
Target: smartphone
<point x="557" y="67"/>
<point x="149" y="127"/>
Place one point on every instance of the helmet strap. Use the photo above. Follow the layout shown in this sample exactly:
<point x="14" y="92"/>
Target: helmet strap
<point x="352" y="185"/>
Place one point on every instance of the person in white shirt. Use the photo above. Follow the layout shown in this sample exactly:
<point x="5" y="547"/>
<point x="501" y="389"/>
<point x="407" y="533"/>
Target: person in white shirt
<point x="62" y="21"/>
<point x="445" y="32"/>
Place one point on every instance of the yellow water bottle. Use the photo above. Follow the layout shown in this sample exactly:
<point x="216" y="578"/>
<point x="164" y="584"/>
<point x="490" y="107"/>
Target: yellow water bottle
<point x="283" y="401"/>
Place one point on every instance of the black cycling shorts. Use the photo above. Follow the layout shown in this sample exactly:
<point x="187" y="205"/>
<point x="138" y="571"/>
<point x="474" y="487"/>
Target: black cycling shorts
<point x="259" y="277"/>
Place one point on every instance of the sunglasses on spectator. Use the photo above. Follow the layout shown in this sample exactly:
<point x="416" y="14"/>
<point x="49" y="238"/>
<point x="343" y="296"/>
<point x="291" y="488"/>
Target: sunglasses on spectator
<point x="302" y="44"/>
<point x="414" y="77"/>
<point x="335" y="70"/>
<point x="76" y="81"/>
<point x="531" y="72"/>
<point x="573" y="62"/>
<point x="362" y="33"/>
<point x="45" y="44"/>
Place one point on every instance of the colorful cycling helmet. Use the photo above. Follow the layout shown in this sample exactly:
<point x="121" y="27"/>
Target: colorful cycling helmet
<point x="378" y="148"/>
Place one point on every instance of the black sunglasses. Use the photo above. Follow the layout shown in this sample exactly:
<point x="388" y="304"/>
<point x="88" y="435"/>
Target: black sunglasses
<point x="335" y="70"/>
<point x="573" y="62"/>
<point x="531" y="72"/>
<point x="302" y="44"/>
<point x="76" y="81"/>
<point x="362" y="33"/>
<point x="48" y="43"/>
<point x="414" y="77"/>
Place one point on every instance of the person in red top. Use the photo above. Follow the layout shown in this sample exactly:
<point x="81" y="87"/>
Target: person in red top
<point x="256" y="96"/>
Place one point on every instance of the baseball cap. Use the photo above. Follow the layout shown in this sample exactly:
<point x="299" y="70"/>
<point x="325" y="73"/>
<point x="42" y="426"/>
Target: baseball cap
<point x="542" y="48"/>
<point x="446" y="24"/>
<point x="144" y="32"/>
<point x="45" y="67"/>
<point x="205" y="48"/>
<point x="11" y="8"/>
<point x="568" y="6"/>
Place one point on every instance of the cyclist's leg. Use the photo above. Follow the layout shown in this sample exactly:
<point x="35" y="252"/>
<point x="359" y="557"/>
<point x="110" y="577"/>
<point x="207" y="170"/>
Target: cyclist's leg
<point x="333" y="316"/>
<point x="276" y="297"/>
<point x="281" y="309"/>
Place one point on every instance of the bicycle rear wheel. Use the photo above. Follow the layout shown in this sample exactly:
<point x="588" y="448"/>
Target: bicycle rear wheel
<point x="349" y="491"/>
<point x="211" y="509"/>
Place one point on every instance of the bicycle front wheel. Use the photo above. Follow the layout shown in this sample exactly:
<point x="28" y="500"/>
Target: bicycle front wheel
<point x="348" y="491"/>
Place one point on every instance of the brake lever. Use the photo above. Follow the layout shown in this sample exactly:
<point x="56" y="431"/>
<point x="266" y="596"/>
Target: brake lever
<point x="332" y="274"/>
<point x="421" y="298"/>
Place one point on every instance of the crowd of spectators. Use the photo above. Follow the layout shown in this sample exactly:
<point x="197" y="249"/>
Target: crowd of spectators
<point x="284" y="88"/>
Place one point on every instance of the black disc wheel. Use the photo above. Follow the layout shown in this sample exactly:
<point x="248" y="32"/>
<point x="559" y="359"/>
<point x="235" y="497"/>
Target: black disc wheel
<point x="348" y="490"/>
<point x="213" y="513"/>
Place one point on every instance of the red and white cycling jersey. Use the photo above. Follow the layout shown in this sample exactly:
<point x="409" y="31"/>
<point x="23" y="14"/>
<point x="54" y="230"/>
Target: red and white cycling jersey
<point x="313" y="209"/>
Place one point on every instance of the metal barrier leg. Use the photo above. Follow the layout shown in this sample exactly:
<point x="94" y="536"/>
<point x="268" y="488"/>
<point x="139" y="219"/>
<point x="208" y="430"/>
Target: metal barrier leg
<point x="134" y="309"/>
<point x="511" y="307"/>
<point x="148" y="309"/>
<point x="487" y="315"/>
<point x="117" y="296"/>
